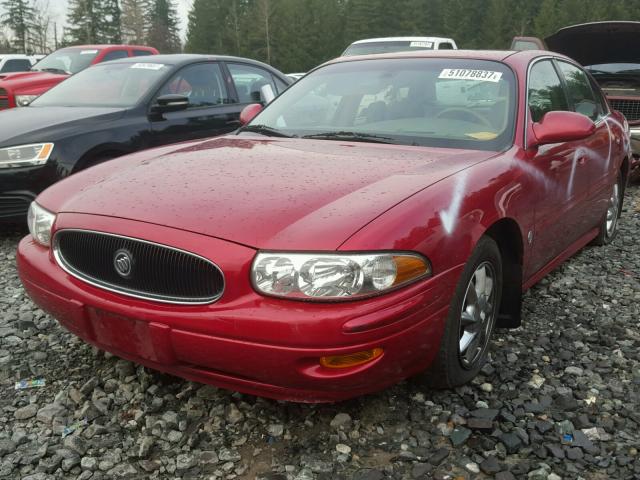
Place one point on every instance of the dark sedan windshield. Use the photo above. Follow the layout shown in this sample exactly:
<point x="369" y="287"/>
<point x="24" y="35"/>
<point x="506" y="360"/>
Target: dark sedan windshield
<point x="67" y="61"/>
<point x="455" y="103"/>
<point x="105" y="85"/>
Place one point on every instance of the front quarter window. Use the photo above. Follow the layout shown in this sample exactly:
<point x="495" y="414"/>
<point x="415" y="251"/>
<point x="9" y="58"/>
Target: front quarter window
<point x="451" y="103"/>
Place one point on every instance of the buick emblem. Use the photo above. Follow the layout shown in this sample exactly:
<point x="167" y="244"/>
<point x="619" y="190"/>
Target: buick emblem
<point x="123" y="263"/>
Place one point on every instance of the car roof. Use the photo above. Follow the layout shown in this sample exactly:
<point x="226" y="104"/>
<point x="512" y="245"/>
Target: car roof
<point x="104" y="46"/>
<point x="15" y="55"/>
<point x="506" y="56"/>
<point x="186" y="58"/>
<point x="401" y="39"/>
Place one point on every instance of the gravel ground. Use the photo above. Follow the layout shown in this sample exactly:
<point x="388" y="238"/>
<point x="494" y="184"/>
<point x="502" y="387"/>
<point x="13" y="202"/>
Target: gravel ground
<point x="560" y="398"/>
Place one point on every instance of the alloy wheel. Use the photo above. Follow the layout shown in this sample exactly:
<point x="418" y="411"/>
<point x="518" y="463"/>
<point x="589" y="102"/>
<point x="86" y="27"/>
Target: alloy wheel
<point x="613" y="210"/>
<point x="478" y="315"/>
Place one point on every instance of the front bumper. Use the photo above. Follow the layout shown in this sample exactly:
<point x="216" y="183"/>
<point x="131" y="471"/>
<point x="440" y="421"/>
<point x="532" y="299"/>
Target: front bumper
<point x="19" y="187"/>
<point x="246" y="342"/>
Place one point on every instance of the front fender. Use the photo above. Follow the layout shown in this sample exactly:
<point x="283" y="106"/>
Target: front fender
<point x="445" y="221"/>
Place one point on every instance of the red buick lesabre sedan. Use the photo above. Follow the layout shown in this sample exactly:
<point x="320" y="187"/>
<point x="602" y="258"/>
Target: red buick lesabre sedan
<point x="376" y="221"/>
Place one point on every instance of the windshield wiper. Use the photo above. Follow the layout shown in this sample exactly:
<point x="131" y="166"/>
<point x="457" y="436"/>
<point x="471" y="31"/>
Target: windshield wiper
<point x="350" y="136"/>
<point x="265" y="130"/>
<point x="52" y="70"/>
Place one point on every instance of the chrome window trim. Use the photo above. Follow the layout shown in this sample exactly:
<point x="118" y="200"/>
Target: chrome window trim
<point x="126" y="292"/>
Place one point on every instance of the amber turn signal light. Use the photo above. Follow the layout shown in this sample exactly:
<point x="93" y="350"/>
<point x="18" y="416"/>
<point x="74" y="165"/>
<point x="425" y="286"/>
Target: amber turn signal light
<point x="350" y="359"/>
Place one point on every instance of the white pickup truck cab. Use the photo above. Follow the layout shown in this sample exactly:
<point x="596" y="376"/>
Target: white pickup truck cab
<point x="398" y="44"/>
<point x="10" y="63"/>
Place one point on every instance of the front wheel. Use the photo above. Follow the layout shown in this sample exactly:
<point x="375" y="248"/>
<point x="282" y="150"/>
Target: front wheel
<point x="471" y="319"/>
<point x="609" y="225"/>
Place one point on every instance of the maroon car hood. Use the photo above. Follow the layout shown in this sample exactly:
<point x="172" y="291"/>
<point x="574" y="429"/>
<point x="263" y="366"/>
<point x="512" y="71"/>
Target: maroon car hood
<point x="598" y="42"/>
<point x="265" y="193"/>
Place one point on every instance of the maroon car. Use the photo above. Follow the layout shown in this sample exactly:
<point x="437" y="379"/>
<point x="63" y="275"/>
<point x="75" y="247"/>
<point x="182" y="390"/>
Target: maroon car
<point x="377" y="220"/>
<point x="21" y="88"/>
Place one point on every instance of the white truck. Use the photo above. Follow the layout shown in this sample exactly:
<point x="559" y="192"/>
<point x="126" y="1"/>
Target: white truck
<point x="10" y="63"/>
<point x="398" y="44"/>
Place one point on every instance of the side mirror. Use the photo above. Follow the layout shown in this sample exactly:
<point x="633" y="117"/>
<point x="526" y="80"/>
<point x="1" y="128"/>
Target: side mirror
<point x="556" y="127"/>
<point x="267" y="94"/>
<point x="170" y="103"/>
<point x="249" y="112"/>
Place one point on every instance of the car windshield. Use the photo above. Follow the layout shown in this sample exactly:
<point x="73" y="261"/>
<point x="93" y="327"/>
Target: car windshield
<point x="369" y="48"/>
<point x="614" y="68"/>
<point x="67" y="61"/>
<point x="444" y="102"/>
<point x="105" y="85"/>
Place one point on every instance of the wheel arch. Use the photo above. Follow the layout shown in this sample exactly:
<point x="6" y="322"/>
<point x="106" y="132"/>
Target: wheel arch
<point x="507" y="234"/>
<point x="99" y="154"/>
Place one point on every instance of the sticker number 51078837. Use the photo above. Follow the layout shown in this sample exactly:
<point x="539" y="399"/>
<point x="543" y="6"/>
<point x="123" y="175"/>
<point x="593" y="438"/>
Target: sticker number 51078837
<point x="465" y="74"/>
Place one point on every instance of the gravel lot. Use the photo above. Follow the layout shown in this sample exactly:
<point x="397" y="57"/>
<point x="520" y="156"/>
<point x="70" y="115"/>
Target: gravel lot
<point x="560" y="398"/>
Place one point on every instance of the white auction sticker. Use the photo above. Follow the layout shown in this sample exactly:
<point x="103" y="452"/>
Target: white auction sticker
<point x="88" y="52"/>
<point x="421" y="44"/>
<point x="467" y="74"/>
<point x="148" y="66"/>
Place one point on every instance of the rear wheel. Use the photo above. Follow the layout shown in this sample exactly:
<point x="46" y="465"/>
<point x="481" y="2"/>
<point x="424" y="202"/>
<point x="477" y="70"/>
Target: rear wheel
<point x="609" y="225"/>
<point x="471" y="319"/>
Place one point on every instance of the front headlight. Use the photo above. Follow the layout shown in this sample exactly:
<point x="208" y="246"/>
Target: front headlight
<point x="25" y="155"/>
<point x="40" y="222"/>
<point x="334" y="276"/>
<point x="25" y="100"/>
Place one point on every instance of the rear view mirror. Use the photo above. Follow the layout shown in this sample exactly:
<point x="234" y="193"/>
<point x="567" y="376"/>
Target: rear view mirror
<point x="249" y="112"/>
<point x="170" y="103"/>
<point x="556" y="127"/>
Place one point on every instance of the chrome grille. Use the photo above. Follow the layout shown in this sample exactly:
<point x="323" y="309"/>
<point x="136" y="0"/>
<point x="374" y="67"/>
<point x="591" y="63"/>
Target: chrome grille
<point x="629" y="108"/>
<point x="157" y="272"/>
<point x="4" y="99"/>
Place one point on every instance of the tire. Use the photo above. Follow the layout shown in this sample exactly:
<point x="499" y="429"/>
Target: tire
<point x="454" y="365"/>
<point x="608" y="228"/>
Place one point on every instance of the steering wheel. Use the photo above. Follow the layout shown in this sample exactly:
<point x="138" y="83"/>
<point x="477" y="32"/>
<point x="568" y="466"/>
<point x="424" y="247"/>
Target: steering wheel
<point x="465" y="111"/>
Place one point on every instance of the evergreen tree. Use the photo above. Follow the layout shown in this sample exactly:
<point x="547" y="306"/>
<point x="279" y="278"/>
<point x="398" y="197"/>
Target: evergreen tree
<point x="133" y="20"/>
<point x="85" y="21"/>
<point x="111" y="27"/>
<point x="162" y="30"/>
<point x="18" y="17"/>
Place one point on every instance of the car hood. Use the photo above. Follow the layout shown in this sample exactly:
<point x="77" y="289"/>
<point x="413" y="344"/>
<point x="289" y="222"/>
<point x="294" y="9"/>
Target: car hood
<point x="23" y="81"/>
<point x="598" y="42"/>
<point x="26" y="125"/>
<point x="259" y="192"/>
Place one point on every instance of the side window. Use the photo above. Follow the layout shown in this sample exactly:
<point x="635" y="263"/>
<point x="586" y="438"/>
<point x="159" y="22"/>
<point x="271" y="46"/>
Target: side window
<point x="579" y="89"/>
<point x="16" y="66"/>
<point x="249" y="80"/>
<point x="545" y="90"/>
<point x="114" y="55"/>
<point x="445" y="46"/>
<point x="202" y="83"/>
<point x="280" y="85"/>
<point x="142" y="53"/>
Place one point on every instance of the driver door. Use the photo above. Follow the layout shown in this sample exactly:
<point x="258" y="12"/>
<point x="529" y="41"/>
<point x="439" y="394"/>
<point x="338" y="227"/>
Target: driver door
<point x="210" y="112"/>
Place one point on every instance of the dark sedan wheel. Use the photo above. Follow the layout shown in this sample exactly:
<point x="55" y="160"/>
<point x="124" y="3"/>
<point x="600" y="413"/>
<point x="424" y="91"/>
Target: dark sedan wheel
<point x="609" y="225"/>
<point x="471" y="319"/>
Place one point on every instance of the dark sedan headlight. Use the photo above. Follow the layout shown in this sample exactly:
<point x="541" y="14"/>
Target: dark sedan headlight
<point x="40" y="223"/>
<point x="25" y="155"/>
<point x="334" y="276"/>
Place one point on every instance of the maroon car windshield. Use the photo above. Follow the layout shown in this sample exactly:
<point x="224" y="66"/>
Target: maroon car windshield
<point x="443" y="102"/>
<point x="67" y="61"/>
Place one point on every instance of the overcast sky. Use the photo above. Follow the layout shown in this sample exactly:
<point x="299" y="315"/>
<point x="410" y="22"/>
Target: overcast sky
<point x="58" y="10"/>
